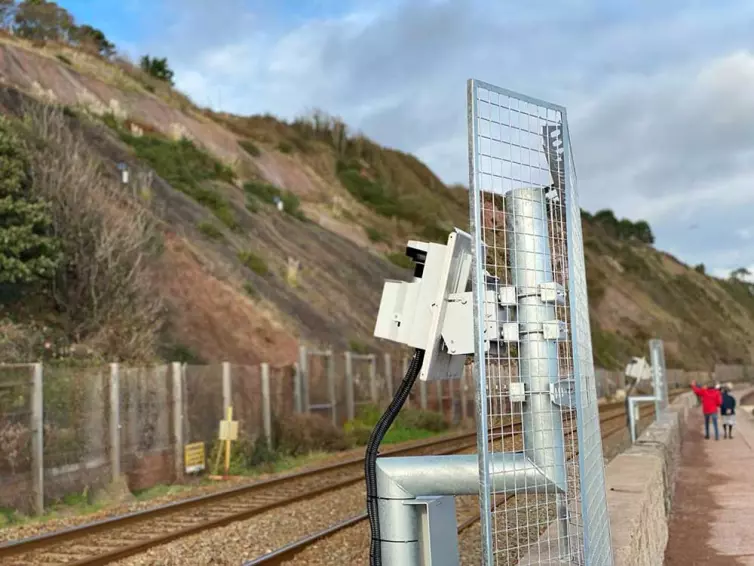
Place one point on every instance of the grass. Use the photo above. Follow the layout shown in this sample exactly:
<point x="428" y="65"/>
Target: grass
<point x="186" y="167"/>
<point x="210" y="230"/>
<point x="374" y="235"/>
<point x="267" y="193"/>
<point x="410" y="424"/>
<point x="249" y="147"/>
<point x="250" y="290"/>
<point x="254" y="262"/>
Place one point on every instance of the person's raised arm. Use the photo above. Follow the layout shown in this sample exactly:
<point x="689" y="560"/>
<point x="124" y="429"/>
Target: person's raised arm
<point x="697" y="390"/>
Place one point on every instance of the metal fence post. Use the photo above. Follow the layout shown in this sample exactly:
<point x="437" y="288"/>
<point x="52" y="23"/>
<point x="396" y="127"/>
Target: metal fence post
<point x="303" y="364"/>
<point x="373" y="392"/>
<point x="350" y="400"/>
<point x="388" y="361"/>
<point x="114" y="421"/>
<point x="178" y="418"/>
<point x="37" y="438"/>
<point x="331" y="387"/>
<point x="266" y="409"/>
<point x="464" y="410"/>
<point x="227" y="390"/>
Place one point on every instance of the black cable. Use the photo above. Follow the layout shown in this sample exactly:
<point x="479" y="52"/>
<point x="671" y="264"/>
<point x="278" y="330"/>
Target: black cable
<point x="372" y="451"/>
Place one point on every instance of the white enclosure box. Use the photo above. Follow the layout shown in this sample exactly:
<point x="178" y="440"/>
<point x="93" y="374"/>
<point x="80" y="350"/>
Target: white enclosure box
<point x="434" y="311"/>
<point x="638" y="369"/>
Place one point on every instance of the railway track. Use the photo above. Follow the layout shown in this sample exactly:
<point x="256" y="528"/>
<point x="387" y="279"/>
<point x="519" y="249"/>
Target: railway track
<point x="613" y="415"/>
<point x="106" y="541"/>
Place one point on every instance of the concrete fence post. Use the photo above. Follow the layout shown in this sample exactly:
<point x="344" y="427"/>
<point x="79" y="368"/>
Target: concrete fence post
<point x="303" y="365"/>
<point x="178" y="419"/>
<point x="266" y="407"/>
<point x="388" y="376"/>
<point x="423" y="395"/>
<point x="350" y="400"/>
<point x="331" y="387"/>
<point x="373" y="391"/>
<point x="114" y="421"/>
<point x="227" y="390"/>
<point x="37" y="438"/>
<point x="298" y="404"/>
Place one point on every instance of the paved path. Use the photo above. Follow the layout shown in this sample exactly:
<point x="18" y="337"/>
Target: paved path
<point x="712" y="522"/>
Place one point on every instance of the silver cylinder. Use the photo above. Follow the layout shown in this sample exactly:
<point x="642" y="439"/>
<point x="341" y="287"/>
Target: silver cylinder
<point x="531" y="265"/>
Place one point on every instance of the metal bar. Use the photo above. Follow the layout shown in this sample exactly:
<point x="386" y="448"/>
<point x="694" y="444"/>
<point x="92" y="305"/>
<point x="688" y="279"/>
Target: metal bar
<point x="479" y="288"/>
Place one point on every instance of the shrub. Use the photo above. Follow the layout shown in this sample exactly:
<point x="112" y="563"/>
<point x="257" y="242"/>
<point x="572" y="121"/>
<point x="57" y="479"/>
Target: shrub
<point x="269" y="193"/>
<point x="374" y="235"/>
<point x="254" y="262"/>
<point x="29" y="251"/>
<point x="410" y="424"/>
<point x="357" y="347"/>
<point x="62" y="58"/>
<point x="210" y="230"/>
<point x="250" y="290"/>
<point x="115" y="310"/>
<point x="157" y="67"/>
<point x="300" y="434"/>
<point x="250" y="148"/>
<point x="401" y="260"/>
<point x="285" y="147"/>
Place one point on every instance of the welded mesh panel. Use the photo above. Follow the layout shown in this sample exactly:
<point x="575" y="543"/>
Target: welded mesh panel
<point x="15" y="437"/>
<point x="76" y="423"/>
<point x="322" y="386"/>
<point x="203" y="403"/>
<point x="364" y="375"/>
<point x="659" y="373"/>
<point x="246" y="400"/>
<point x="529" y="277"/>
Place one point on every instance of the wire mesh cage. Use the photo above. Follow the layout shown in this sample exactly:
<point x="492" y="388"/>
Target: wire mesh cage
<point x="537" y="378"/>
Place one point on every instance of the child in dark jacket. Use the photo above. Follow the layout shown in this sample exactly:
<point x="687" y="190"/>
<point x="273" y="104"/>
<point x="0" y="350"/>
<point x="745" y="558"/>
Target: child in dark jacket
<point x="728" y="413"/>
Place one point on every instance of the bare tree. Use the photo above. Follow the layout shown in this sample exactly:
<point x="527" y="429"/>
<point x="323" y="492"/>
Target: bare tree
<point x="106" y="289"/>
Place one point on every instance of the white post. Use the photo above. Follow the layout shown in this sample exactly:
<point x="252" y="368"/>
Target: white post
<point x="266" y="409"/>
<point x="388" y="376"/>
<point x="178" y="419"/>
<point x="331" y="387"/>
<point x="227" y="399"/>
<point x="373" y="391"/>
<point x="114" y="422"/>
<point x="303" y="364"/>
<point x="37" y="438"/>
<point x="350" y="401"/>
<point x="298" y="404"/>
<point x="423" y="394"/>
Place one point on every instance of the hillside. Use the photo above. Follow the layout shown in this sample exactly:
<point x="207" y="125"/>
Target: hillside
<point x="230" y="276"/>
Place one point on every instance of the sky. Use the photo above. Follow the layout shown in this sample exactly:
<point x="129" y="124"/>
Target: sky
<point x="660" y="95"/>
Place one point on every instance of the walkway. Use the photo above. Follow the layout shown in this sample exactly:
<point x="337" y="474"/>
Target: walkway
<point x="712" y="522"/>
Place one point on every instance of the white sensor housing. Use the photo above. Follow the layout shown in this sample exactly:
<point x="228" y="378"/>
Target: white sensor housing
<point x="417" y="313"/>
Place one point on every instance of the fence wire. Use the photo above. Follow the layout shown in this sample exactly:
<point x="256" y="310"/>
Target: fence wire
<point x="529" y="276"/>
<point x="15" y="436"/>
<point x="76" y="447"/>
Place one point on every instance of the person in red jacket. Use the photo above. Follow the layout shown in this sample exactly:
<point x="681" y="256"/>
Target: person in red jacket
<point x="711" y="400"/>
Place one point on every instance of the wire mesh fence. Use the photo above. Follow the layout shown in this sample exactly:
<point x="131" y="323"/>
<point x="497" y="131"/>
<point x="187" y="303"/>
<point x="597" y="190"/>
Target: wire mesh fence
<point x="99" y="424"/>
<point x="529" y="275"/>
<point x="16" y="489"/>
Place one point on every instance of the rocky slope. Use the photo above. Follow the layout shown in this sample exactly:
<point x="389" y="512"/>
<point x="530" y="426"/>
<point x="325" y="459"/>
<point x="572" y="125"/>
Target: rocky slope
<point x="243" y="281"/>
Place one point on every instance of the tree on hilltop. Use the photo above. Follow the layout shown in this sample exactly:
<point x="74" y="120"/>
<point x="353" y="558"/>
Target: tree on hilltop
<point x="157" y="68"/>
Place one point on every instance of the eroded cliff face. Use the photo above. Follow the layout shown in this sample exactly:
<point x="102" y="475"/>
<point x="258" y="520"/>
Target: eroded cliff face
<point x="323" y="274"/>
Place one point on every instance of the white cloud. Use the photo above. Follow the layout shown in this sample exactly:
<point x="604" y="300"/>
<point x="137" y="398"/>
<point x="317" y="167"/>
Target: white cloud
<point x="658" y="94"/>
